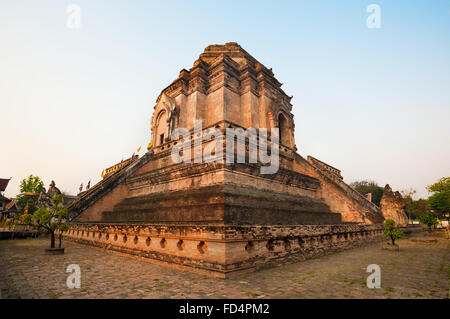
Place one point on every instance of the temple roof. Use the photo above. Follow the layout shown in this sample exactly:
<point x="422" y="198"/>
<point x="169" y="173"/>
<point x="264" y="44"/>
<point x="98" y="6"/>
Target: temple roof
<point x="11" y="203"/>
<point x="3" y="184"/>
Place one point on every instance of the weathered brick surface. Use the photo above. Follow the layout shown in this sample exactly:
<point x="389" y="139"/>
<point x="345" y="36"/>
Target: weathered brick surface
<point x="224" y="250"/>
<point x="392" y="206"/>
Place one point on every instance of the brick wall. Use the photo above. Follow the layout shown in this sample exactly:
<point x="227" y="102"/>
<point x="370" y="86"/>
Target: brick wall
<point x="223" y="251"/>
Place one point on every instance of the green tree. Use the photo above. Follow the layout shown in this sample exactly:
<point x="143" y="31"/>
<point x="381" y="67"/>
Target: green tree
<point x="53" y="219"/>
<point x="440" y="200"/>
<point x="391" y="231"/>
<point x="414" y="208"/>
<point x="428" y="219"/>
<point x="30" y="188"/>
<point x="441" y="186"/>
<point x="364" y="187"/>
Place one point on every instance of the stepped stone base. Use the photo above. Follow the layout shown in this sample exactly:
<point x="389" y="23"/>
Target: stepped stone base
<point x="227" y="204"/>
<point x="224" y="251"/>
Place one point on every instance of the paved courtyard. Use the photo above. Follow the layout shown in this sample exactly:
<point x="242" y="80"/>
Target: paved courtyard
<point x="418" y="270"/>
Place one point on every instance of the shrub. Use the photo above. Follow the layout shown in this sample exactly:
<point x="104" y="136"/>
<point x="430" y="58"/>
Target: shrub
<point x="428" y="219"/>
<point x="391" y="231"/>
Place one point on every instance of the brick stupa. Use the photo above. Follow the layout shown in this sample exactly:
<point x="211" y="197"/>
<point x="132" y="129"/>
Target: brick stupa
<point x="223" y="218"/>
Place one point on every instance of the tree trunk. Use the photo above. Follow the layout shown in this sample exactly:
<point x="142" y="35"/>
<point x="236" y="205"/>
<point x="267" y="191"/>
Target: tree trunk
<point x="52" y="239"/>
<point x="393" y="241"/>
<point x="60" y="237"/>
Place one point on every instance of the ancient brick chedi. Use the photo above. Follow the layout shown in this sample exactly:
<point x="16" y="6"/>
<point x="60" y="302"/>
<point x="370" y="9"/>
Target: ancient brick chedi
<point x="223" y="217"/>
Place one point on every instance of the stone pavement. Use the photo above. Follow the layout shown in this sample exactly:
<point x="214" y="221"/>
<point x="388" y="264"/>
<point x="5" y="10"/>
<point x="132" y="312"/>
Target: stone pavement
<point x="418" y="270"/>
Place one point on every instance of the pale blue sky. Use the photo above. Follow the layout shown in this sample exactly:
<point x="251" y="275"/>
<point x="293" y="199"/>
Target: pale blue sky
<point x="374" y="103"/>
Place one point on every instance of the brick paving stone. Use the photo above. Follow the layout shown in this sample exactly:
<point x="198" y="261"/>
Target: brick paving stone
<point x="418" y="270"/>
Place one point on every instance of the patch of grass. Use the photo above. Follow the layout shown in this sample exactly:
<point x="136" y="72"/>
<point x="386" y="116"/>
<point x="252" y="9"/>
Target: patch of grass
<point x="417" y="294"/>
<point x="389" y="289"/>
<point x="354" y="281"/>
<point x="441" y="267"/>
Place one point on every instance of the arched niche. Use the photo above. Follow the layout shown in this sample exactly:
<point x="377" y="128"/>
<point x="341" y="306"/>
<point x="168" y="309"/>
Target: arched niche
<point x="284" y="130"/>
<point x="164" y="119"/>
<point x="161" y="132"/>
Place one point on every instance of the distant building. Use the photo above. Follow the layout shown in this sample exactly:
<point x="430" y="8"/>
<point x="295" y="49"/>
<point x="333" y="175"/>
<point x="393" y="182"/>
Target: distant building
<point x="3" y="202"/>
<point x="11" y="208"/>
<point x="8" y="206"/>
<point x="45" y="197"/>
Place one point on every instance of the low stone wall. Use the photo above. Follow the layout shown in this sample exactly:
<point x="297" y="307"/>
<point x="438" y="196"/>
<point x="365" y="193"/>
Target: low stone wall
<point x="412" y="229"/>
<point x="224" y="251"/>
<point x="11" y="234"/>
